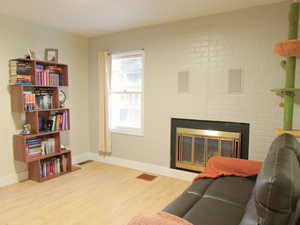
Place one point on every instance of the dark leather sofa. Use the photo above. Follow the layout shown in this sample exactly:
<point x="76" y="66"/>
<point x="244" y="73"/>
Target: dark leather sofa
<point x="271" y="199"/>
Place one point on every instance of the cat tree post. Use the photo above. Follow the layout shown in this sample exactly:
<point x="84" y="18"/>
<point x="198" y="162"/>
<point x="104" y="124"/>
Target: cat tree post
<point x="289" y="49"/>
<point x="291" y="69"/>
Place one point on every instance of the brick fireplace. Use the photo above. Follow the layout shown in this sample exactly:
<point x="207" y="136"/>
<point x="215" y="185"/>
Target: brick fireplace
<point x="193" y="142"/>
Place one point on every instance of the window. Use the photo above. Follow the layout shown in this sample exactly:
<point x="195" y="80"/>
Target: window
<point x="126" y="93"/>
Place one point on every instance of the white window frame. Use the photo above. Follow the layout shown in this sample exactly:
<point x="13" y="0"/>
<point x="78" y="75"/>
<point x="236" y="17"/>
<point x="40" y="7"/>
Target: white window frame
<point x="130" y="130"/>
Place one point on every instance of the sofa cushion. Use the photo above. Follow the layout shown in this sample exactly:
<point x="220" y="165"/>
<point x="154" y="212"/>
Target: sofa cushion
<point x="210" y="211"/>
<point x="277" y="188"/>
<point x="234" y="190"/>
<point x="213" y="201"/>
<point x="181" y="205"/>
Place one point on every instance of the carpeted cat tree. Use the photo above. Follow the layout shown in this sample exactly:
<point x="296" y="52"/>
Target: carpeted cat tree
<point x="289" y="49"/>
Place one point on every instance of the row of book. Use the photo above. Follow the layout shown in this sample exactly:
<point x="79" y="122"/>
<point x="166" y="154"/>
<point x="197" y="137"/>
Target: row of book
<point x="56" y="121"/>
<point x="36" y="147"/>
<point x="33" y="147"/>
<point x="20" y="73"/>
<point x="53" y="166"/>
<point x="48" y="76"/>
<point x="29" y="101"/>
<point x="20" y="80"/>
<point x="37" y="99"/>
<point x="60" y="121"/>
<point x="44" y="101"/>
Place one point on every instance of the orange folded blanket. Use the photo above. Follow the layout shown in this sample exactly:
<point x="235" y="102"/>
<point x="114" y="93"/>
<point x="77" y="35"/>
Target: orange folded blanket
<point x="160" y="218"/>
<point x="218" y="166"/>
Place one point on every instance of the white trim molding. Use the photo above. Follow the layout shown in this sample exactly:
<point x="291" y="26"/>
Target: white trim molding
<point x="145" y="167"/>
<point x="80" y="158"/>
<point x="13" y="178"/>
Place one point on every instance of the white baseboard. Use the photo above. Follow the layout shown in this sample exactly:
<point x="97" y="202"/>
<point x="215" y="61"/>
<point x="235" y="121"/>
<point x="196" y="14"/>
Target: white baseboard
<point x="80" y="158"/>
<point x="145" y="167"/>
<point x="13" y="178"/>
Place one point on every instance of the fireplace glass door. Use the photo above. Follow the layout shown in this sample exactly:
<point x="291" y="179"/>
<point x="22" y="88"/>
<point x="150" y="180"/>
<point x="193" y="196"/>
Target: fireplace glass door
<point x="195" y="147"/>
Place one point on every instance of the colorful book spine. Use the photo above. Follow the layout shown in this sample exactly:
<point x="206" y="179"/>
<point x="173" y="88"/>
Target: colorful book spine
<point x="53" y="166"/>
<point x="20" y="73"/>
<point x="59" y="121"/>
<point x="38" y="147"/>
<point x="44" y="101"/>
<point x="29" y="101"/>
<point x="33" y="147"/>
<point x="48" y="146"/>
<point x="48" y="76"/>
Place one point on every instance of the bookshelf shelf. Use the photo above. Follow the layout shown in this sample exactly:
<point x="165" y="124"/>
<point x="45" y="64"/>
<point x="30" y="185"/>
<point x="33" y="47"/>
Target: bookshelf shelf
<point x="38" y="120"/>
<point x="22" y="96"/>
<point x="34" y="87"/>
<point x="47" y="156"/>
<point x="27" y="136"/>
<point x="42" y="179"/>
<point x="21" y="148"/>
<point x="45" y="110"/>
<point x="40" y="62"/>
<point x="41" y="70"/>
<point x="36" y="166"/>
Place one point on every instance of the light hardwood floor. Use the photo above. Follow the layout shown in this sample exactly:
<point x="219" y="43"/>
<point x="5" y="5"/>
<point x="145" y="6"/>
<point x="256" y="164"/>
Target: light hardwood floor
<point x="98" y="194"/>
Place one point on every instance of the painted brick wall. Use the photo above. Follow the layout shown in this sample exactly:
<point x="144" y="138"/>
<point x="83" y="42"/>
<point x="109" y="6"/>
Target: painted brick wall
<point x="207" y="47"/>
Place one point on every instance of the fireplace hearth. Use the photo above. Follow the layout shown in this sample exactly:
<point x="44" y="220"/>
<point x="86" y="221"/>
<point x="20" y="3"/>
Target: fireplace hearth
<point x="193" y="142"/>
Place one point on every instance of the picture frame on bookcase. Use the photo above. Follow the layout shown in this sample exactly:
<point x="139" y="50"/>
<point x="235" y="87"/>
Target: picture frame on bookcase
<point x="51" y="54"/>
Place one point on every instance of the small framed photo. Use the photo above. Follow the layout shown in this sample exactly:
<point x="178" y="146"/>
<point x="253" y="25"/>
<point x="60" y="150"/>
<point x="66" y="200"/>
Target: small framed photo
<point x="51" y="54"/>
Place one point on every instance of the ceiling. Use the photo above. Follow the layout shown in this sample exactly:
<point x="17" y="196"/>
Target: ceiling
<point x="97" y="17"/>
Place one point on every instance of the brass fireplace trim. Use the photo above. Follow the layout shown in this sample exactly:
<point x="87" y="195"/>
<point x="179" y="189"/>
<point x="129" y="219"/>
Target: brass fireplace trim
<point x="234" y="137"/>
<point x="190" y="166"/>
<point x="208" y="133"/>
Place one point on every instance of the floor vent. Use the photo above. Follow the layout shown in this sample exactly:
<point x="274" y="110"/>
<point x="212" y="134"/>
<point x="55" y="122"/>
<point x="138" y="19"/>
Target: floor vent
<point x="146" y="177"/>
<point x="85" y="162"/>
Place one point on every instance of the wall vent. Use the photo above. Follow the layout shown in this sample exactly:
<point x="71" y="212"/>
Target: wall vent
<point x="147" y="177"/>
<point x="183" y="82"/>
<point x="235" y="81"/>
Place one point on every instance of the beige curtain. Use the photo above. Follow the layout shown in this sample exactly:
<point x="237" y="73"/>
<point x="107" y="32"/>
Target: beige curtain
<point x="104" y="60"/>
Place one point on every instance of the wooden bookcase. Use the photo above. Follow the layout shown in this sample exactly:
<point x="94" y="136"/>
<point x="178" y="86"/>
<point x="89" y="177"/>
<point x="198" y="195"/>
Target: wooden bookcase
<point x="20" y="141"/>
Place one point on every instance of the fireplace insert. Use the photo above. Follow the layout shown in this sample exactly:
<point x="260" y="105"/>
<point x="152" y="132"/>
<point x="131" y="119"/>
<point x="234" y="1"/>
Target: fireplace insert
<point x="193" y="142"/>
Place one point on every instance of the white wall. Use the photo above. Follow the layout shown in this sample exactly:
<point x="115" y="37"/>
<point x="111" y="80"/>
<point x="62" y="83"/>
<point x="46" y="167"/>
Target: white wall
<point x="207" y="47"/>
<point x="15" y="37"/>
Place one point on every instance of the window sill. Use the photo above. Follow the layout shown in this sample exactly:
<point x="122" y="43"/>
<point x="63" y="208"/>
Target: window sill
<point x="128" y="132"/>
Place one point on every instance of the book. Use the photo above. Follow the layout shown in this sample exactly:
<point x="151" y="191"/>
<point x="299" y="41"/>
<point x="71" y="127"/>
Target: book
<point x="48" y="146"/>
<point x="64" y="163"/>
<point x="53" y="166"/>
<point x="38" y="99"/>
<point x="20" y="73"/>
<point x="57" y="121"/>
<point x="48" y="76"/>
<point x="14" y="77"/>
<point x="33" y="140"/>
<point x="29" y="101"/>
<point x="37" y="146"/>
